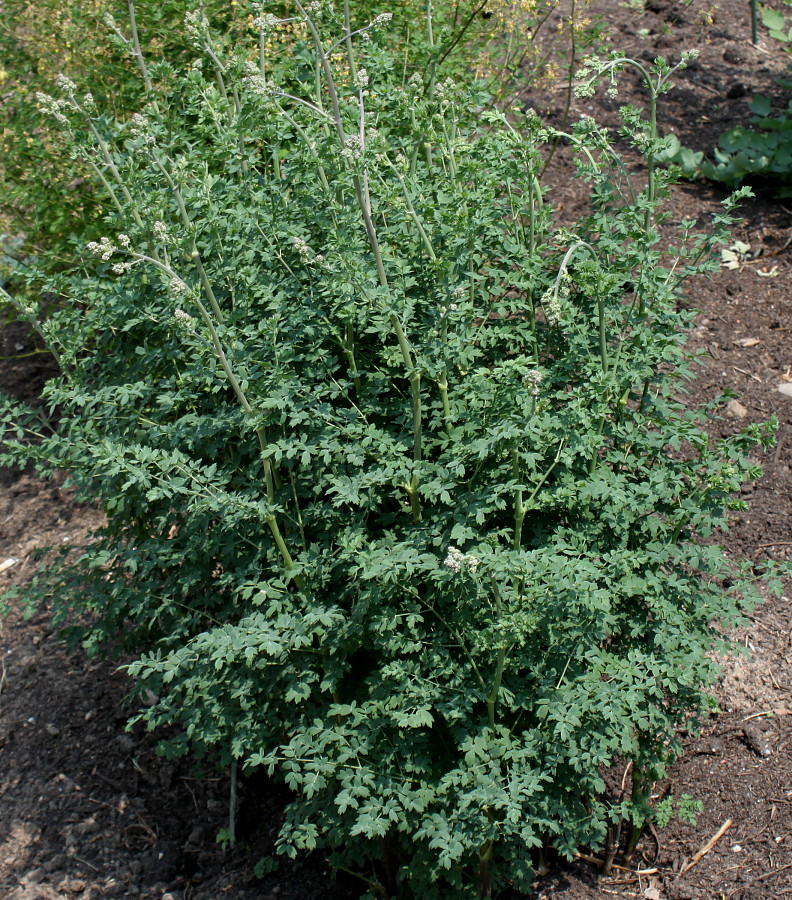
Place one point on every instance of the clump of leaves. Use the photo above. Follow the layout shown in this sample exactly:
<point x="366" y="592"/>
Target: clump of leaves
<point x="759" y="152"/>
<point x="403" y="505"/>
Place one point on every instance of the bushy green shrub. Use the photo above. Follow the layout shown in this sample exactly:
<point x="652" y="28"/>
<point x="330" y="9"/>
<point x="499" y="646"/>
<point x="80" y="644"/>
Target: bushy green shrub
<point x="403" y="505"/>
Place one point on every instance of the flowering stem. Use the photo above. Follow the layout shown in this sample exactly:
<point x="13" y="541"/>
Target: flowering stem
<point x="261" y="434"/>
<point x="195" y="256"/>
<point x="137" y="51"/>
<point x="348" y="41"/>
<point x="364" y="203"/>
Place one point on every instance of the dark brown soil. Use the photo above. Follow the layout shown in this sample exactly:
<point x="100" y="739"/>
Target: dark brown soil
<point x="88" y="810"/>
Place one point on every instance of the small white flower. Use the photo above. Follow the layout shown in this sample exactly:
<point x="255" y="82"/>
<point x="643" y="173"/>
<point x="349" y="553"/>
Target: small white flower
<point x="121" y="268"/>
<point x="314" y="7"/>
<point x="362" y="79"/>
<point x="459" y="293"/>
<point x="381" y="19"/>
<point x="123" y="241"/>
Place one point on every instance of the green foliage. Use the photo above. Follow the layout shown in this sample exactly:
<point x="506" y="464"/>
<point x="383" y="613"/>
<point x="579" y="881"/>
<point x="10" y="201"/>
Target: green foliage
<point x="761" y="152"/>
<point x="686" y="808"/>
<point x="403" y="505"/>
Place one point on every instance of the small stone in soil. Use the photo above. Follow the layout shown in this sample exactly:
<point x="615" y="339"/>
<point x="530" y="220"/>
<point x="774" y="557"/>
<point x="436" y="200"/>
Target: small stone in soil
<point x="735" y="409"/>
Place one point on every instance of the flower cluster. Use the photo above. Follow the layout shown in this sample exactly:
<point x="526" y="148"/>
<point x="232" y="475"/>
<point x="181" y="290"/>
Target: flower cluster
<point x="178" y="288"/>
<point x="184" y="320"/>
<point x="104" y="249"/>
<point x="353" y="149"/>
<point x="533" y="382"/>
<point x="257" y="84"/>
<point x="456" y="561"/>
<point x="161" y="233"/>
<point x="52" y="107"/>
<point x="552" y="301"/>
<point x="306" y="254"/>
<point x="65" y="84"/>
<point x="196" y="26"/>
<point x="362" y="79"/>
<point x="266" y="22"/>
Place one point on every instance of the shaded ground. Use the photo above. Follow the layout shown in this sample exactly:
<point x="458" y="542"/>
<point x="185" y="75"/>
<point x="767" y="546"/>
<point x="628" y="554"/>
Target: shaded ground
<point x="89" y="811"/>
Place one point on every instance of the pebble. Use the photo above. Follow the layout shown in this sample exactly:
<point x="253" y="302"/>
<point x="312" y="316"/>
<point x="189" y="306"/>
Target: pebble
<point x="52" y="730"/>
<point x="785" y="389"/>
<point x="735" y="409"/>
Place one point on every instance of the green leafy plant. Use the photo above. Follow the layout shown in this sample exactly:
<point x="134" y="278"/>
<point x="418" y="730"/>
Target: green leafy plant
<point x="759" y="152"/>
<point x="402" y="502"/>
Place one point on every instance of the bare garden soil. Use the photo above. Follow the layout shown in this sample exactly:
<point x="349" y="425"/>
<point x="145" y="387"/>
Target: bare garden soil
<point x="89" y="810"/>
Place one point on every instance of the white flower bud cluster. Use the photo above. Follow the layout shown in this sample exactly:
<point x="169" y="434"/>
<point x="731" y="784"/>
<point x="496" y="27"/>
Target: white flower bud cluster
<point x="65" y="84"/>
<point x="103" y="250"/>
<point x="306" y="254"/>
<point x="353" y="149"/>
<point x="52" y="107"/>
<point x="687" y="57"/>
<point x="121" y="268"/>
<point x="178" y="288"/>
<point x="444" y="88"/>
<point x="459" y="292"/>
<point x="533" y="382"/>
<point x="314" y="8"/>
<point x="184" y="320"/>
<point x="196" y="25"/>
<point x="161" y="233"/>
<point x="123" y="241"/>
<point x="257" y="84"/>
<point x="456" y="561"/>
<point x="362" y="79"/>
<point x="266" y="22"/>
<point x="140" y="127"/>
<point x="381" y="19"/>
<point x="553" y="300"/>
<point x="445" y="310"/>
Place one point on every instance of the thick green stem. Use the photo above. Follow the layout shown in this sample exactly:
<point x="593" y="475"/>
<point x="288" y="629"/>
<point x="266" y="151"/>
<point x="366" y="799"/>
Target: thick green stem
<point x="519" y="508"/>
<point x="136" y="49"/>
<point x="195" y="255"/>
<point x="348" y="41"/>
